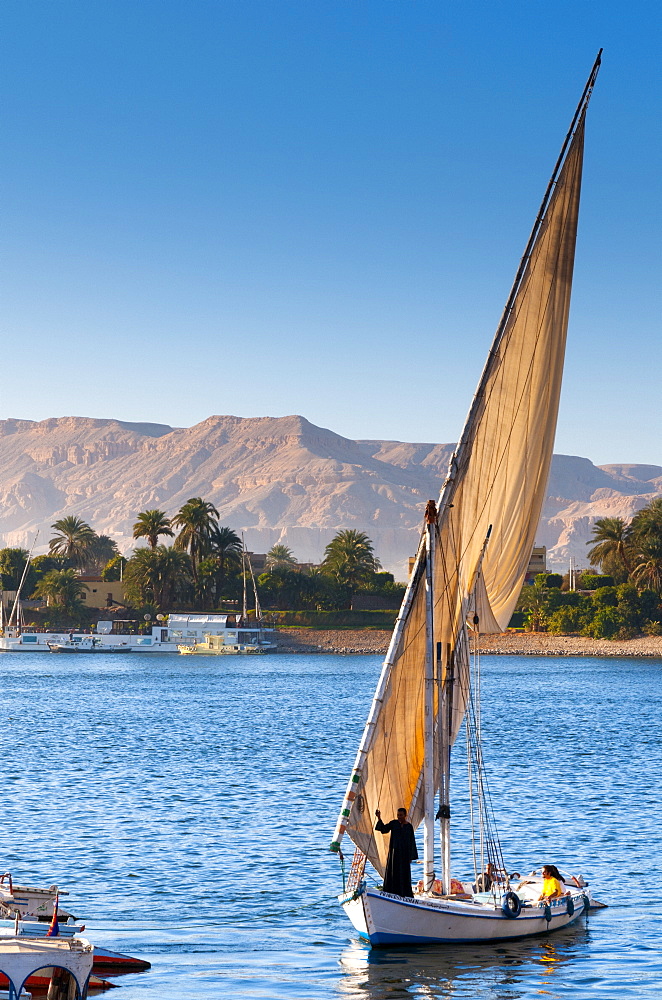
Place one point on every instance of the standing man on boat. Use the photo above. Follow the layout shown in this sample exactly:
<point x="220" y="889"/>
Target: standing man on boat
<point x="401" y="852"/>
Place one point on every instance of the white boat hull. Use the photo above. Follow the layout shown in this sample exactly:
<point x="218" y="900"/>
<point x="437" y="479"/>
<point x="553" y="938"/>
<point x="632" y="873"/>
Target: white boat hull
<point x="384" y="919"/>
<point x="43" y="641"/>
<point x="72" y="647"/>
<point x="201" y="650"/>
<point x="182" y="630"/>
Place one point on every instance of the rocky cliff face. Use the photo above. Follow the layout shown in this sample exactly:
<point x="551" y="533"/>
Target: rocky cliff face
<point x="277" y="479"/>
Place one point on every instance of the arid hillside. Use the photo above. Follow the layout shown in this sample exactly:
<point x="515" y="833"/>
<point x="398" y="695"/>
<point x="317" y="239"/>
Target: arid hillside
<point x="277" y="479"/>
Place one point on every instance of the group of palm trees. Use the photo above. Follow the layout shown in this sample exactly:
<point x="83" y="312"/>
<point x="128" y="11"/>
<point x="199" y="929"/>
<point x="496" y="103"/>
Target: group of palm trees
<point x="349" y="565"/>
<point x="79" y="544"/>
<point x="195" y="566"/>
<point x="201" y="566"/>
<point x="159" y="574"/>
<point x="74" y="547"/>
<point x="631" y="552"/>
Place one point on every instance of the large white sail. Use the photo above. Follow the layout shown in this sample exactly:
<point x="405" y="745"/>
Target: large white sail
<point x="496" y="485"/>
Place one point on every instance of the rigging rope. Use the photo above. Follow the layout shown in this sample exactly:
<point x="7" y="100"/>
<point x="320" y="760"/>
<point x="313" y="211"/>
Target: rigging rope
<point x="490" y="851"/>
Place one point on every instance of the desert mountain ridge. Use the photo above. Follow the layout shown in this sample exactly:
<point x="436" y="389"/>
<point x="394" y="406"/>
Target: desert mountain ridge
<point x="277" y="479"/>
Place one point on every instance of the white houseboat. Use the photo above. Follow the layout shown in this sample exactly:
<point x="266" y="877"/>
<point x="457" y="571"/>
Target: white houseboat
<point x="163" y="637"/>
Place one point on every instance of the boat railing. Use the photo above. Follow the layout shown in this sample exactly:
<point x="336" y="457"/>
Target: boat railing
<point x="356" y="870"/>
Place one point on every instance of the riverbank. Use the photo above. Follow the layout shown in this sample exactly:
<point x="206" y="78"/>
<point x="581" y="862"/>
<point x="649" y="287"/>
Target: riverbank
<point x="341" y="640"/>
<point x="375" y="641"/>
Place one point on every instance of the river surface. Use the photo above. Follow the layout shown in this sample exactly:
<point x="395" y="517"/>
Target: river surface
<point x="188" y="805"/>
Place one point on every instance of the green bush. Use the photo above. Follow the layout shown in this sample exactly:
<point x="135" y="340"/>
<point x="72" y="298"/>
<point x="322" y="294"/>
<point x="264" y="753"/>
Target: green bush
<point x="565" y="620"/>
<point x="605" y="624"/>
<point x="553" y="580"/>
<point x="114" y="569"/>
<point x="605" y="597"/>
<point x="592" y="581"/>
<point x="564" y="598"/>
<point x="334" y="619"/>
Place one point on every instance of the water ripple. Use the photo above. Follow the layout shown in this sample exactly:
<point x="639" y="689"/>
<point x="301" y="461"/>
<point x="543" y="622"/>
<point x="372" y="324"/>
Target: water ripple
<point x="188" y="809"/>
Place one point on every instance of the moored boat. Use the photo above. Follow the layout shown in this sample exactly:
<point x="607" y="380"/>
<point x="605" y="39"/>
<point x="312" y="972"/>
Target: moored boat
<point x="30" y="902"/>
<point x="246" y="639"/>
<point x="88" y="644"/>
<point x="28" y="913"/>
<point x="164" y="637"/>
<point x="114" y="963"/>
<point x="61" y="965"/>
<point x="245" y="642"/>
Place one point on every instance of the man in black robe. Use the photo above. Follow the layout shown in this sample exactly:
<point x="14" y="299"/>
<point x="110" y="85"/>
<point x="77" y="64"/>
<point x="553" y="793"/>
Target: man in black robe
<point x="401" y="852"/>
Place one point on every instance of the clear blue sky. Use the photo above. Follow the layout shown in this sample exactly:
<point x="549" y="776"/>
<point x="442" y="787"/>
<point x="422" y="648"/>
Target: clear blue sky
<point x="303" y="206"/>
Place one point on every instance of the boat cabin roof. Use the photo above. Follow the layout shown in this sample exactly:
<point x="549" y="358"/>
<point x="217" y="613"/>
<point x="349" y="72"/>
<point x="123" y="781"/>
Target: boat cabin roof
<point x="189" y="620"/>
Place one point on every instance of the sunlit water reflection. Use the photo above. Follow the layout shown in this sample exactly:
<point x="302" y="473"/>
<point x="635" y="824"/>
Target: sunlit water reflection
<point x="188" y="808"/>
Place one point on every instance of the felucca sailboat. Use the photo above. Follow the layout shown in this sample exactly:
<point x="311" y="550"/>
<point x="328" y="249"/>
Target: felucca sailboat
<point x="471" y="561"/>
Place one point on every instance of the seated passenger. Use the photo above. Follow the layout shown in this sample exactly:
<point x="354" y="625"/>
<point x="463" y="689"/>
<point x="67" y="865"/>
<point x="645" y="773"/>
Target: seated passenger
<point x="487" y="878"/>
<point x="553" y="886"/>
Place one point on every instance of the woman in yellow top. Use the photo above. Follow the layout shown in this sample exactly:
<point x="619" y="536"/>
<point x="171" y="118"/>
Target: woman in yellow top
<point x="553" y="885"/>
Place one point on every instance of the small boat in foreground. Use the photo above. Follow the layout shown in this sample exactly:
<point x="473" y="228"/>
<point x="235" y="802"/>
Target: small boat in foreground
<point x="472" y="557"/>
<point x="27" y="913"/>
<point x="30" y="902"/>
<point x="63" y="966"/>
<point x="115" y="963"/>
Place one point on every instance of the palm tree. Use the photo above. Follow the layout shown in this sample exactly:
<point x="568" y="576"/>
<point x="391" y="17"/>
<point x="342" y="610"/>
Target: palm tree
<point x="534" y="601"/>
<point x="62" y="587"/>
<point x="646" y="542"/>
<point x="322" y="590"/>
<point x="173" y="576"/>
<point x="140" y="577"/>
<point x="102" y="549"/>
<point x="12" y="565"/>
<point x="44" y="564"/>
<point x="281" y="585"/>
<point x="648" y="571"/>
<point x="647" y="522"/>
<point x="73" y="540"/>
<point x="151" y="524"/>
<point x="208" y="573"/>
<point x="612" y="536"/>
<point x="281" y="555"/>
<point x="198" y="520"/>
<point x="349" y="558"/>
<point x="157" y="576"/>
<point x="226" y="547"/>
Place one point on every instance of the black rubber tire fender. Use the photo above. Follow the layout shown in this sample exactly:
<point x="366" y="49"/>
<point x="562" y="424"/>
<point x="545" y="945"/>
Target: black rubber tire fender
<point x="511" y="905"/>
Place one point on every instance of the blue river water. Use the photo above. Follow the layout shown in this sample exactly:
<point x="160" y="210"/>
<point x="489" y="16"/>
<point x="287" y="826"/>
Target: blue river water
<point x="187" y="806"/>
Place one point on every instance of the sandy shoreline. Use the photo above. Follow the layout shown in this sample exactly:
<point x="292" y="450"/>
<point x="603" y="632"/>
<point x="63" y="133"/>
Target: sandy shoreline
<point x="304" y="640"/>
